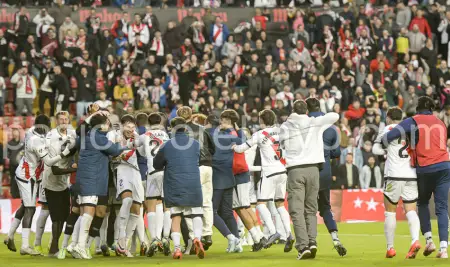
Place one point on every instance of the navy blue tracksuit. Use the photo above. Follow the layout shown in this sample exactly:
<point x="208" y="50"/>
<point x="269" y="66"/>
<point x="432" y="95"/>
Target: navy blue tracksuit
<point x="331" y="151"/>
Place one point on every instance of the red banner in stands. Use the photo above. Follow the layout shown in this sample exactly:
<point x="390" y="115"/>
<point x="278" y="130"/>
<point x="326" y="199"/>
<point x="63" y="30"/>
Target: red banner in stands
<point x="108" y="15"/>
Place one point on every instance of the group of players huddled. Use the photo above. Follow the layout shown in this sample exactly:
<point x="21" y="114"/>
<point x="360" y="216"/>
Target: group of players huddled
<point x="193" y="175"/>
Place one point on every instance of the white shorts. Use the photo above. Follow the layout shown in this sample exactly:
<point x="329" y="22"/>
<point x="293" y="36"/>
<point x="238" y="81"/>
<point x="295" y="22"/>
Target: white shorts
<point x="252" y="191"/>
<point x="241" y="198"/>
<point x="272" y="187"/>
<point x="130" y="181"/>
<point x="41" y="195"/>
<point x="186" y="211"/>
<point x="88" y="200"/>
<point x="28" y="191"/>
<point x="394" y="189"/>
<point x="155" y="185"/>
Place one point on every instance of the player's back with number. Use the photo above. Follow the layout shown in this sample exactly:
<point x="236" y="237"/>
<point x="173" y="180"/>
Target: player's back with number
<point x="153" y="139"/>
<point x="398" y="163"/>
<point x="268" y="143"/>
<point x="30" y="165"/>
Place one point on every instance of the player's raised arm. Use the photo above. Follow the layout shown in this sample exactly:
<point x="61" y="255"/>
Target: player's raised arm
<point x="248" y="144"/>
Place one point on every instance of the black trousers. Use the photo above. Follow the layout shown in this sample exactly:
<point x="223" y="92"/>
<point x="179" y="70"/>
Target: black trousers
<point x="51" y="99"/>
<point x="58" y="204"/>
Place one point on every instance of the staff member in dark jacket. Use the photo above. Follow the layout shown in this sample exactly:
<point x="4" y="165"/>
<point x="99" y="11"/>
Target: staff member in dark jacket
<point x="331" y="151"/>
<point x="224" y="180"/>
<point x="14" y="153"/>
<point x="207" y="149"/>
<point x="179" y="158"/>
<point x="85" y="93"/>
<point x="92" y="175"/>
<point x="348" y="174"/>
<point x="60" y="84"/>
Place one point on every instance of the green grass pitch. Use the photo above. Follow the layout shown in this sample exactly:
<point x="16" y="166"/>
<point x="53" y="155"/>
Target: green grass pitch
<point x="365" y="244"/>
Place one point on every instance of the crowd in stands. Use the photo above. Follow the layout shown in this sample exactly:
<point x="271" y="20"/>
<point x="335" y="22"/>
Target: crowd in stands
<point x="358" y="62"/>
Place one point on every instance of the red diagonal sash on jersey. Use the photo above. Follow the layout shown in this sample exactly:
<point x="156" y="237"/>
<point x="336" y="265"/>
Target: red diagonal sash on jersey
<point x="218" y="32"/>
<point x="152" y="136"/>
<point x="275" y="146"/>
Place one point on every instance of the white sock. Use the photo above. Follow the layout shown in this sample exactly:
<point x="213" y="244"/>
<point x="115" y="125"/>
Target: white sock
<point x="89" y="242"/>
<point x="25" y="237"/>
<point x="390" y="223"/>
<point x="230" y="238"/>
<point x="159" y="220"/>
<point x="131" y="226"/>
<point x="276" y="218"/>
<point x="65" y="242"/>
<point x="124" y="216"/>
<point x="260" y="233"/>
<point x="254" y="234"/>
<point x="443" y="245"/>
<point x="190" y="227"/>
<point x="40" y="226"/>
<point x="285" y="219"/>
<point x="104" y="230"/>
<point x="428" y="237"/>
<point x="176" y="239"/>
<point x="76" y="232"/>
<point x="98" y="242"/>
<point x="241" y="227"/>
<point x="167" y="224"/>
<point x="151" y="216"/>
<point x="197" y="223"/>
<point x="85" y="224"/>
<point x="414" y="225"/>
<point x="334" y="236"/>
<point x="133" y="242"/>
<point x="265" y="215"/>
<point x="140" y="229"/>
<point x="14" y="225"/>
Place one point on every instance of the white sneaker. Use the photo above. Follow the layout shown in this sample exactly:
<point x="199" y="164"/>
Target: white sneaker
<point x="238" y="247"/>
<point x="429" y="248"/>
<point x="62" y="254"/>
<point x="232" y="245"/>
<point x="88" y="253"/>
<point x="98" y="251"/>
<point x="29" y="251"/>
<point x="82" y="253"/>
<point x="244" y="241"/>
<point x="442" y="254"/>
<point x="128" y="254"/>
<point x="72" y="252"/>
<point x="188" y="248"/>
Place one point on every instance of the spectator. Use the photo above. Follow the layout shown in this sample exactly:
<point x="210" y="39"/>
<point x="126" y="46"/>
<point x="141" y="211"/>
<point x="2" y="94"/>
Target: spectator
<point x="85" y="93"/>
<point x="421" y="23"/>
<point x="151" y="20"/>
<point x="21" y="25"/>
<point x="60" y="85"/>
<point x="122" y="88"/>
<point x="370" y="176"/>
<point x="121" y="25"/>
<point x="348" y="175"/>
<point x="26" y="90"/>
<point x="2" y="95"/>
<point x="43" y="20"/>
<point x="68" y="25"/>
<point x="355" y="113"/>
<point x="416" y="39"/>
<point x="14" y="154"/>
<point x="219" y="34"/>
<point x="46" y="91"/>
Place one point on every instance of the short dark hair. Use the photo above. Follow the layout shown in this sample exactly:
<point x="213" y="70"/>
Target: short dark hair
<point x="230" y="114"/>
<point x="141" y="119"/>
<point x="127" y="118"/>
<point x="213" y="120"/>
<point x="300" y="107"/>
<point x="268" y="117"/>
<point x="42" y="124"/>
<point x="98" y="119"/>
<point x="177" y="122"/>
<point x="395" y="113"/>
<point x="425" y="103"/>
<point x="313" y="104"/>
<point x="154" y="119"/>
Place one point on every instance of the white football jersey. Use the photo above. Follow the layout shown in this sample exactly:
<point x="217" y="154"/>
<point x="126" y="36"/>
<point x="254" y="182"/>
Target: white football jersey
<point x="152" y="140"/>
<point x="268" y="143"/>
<point x="56" y="144"/>
<point x="398" y="161"/>
<point x="31" y="164"/>
<point x="128" y="158"/>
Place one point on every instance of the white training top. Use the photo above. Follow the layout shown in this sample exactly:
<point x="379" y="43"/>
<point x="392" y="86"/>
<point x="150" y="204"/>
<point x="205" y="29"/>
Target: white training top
<point x="56" y="143"/>
<point x="398" y="161"/>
